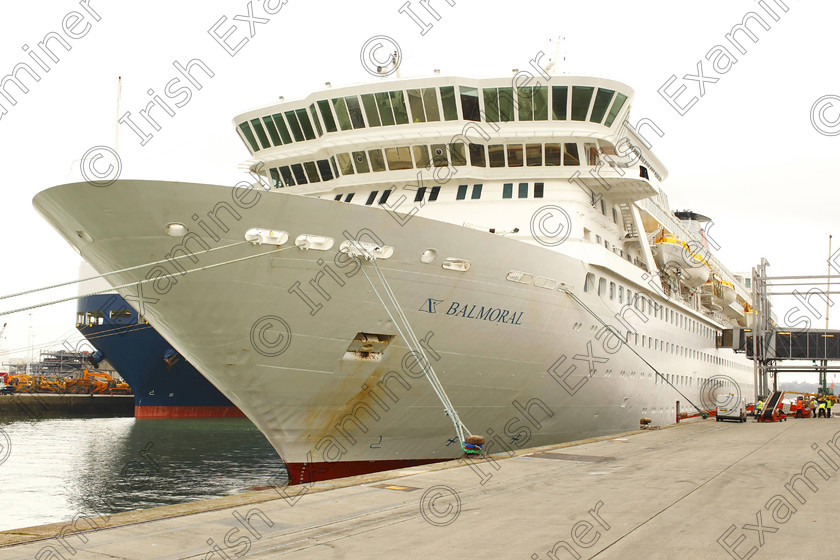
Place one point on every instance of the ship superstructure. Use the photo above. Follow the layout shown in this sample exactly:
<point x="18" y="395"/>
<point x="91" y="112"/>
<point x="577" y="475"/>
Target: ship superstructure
<point x="507" y="241"/>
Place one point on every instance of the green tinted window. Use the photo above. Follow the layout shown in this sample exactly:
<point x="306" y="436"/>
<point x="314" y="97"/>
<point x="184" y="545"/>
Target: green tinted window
<point x="341" y="113"/>
<point x="361" y="162"/>
<point x="469" y="103"/>
<point x="421" y="156"/>
<point x="540" y="102"/>
<point x="294" y="125"/>
<point x="281" y="128"/>
<point x="506" y="104"/>
<point x="272" y="131"/>
<point x="275" y="178"/>
<point x="462" y="192"/>
<point x="477" y="155"/>
<point x="559" y="97"/>
<point x="249" y="136"/>
<point x="602" y="101"/>
<point x="398" y="102"/>
<point x="386" y="112"/>
<point x="523" y="190"/>
<point x="326" y="114"/>
<point x="345" y="164"/>
<point x="324" y="169"/>
<point x="447" y="97"/>
<point x="305" y="124"/>
<point x="616" y="107"/>
<point x="415" y="103"/>
<point x="526" y="110"/>
<point x="491" y="104"/>
<point x="476" y="192"/>
<point x="311" y="172"/>
<point x="430" y="101"/>
<point x="377" y="160"/>
<point x="507" y="190"/>
<point x="316" y="120"/>
<point x="355" y="111"/>
<point x="300" y="176"/>
<point x="260" y="133"/>
<point x="497" y="155"/>
<point x="580" y="102"/>
<point x="370" y="110"/>
<point x="287" y="176"/>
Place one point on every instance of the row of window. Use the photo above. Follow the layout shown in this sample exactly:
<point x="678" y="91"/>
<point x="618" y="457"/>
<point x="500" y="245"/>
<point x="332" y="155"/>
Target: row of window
<point x="536" y="103"/>
<point x="436" y="155"/>
<point x="461" y="193"/>
<point x="652" y="343"/>
<point x="646" y="305"/>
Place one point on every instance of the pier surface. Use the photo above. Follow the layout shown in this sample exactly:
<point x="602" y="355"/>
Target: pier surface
<point x="45" y="405"/>
<point x="702" y="489"/>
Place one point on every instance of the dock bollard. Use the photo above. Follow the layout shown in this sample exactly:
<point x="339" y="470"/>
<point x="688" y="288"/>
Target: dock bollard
<point x="473" y="445"/>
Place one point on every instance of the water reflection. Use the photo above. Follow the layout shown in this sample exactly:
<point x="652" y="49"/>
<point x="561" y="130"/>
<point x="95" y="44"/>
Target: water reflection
<point x="58" y="468"/>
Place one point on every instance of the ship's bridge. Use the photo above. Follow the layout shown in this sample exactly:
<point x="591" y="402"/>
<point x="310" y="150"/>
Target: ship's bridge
<point x="500" y="128"/>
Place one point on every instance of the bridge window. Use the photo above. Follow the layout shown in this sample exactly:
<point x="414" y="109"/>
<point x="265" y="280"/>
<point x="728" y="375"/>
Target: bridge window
<point x="260" y="133"/>
<point x="591" y="152"/>
<point x="295" y="126"/>
<point x="311" y="172"/>
<point x="341" y="113"/>
<point x="275" y="178"/>
<point x="303" y="118"/>
<point x="355" y="111"/>
<point x="498" y="104"/>
<point x="533" y="103"/>
<point x="469" y="103"/>
<point x="553" y="154"/>
<point x="447" y="98"/>
<point x="386" y="109"/>
<point x="424" y="105"/>
<point x="361" y="162"/>
<point x="377" y="161"/>
<point x="300" y="176"/>
<point x="616" y="107"/>
<point x="497" y="155"/>
<point x="280" y="123"/>
<point x="602" y="101"/>
<point x="345" y="164"/>
<point x="559" y="99"/>
<point x="514" y="155"/>
<point x="398" y="158"/>
<point x="286" y="173"/>
<point x="326" y="114"/>
<point x="533" y="154"/>
<point x="370" y="110"/>
<point x="249" y="136"/>
<point x="421" y="156"/>
<point x="324" y="169"/>
<point x="316" y="120"/>
<point x="439" y="155"/>
<point x="477" y="155"/>
<point x="570" y="154"/>
<point x="581" y="96"/>
<point x="457" y="154"/>
<point x="272" y="131"/>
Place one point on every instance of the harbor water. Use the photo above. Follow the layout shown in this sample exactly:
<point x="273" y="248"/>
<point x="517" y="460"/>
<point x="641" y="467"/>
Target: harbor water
<point x="54" y="469"/>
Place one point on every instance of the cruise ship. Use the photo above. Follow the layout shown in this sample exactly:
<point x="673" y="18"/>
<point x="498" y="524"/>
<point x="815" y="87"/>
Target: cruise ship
<point x="416" y="262"/>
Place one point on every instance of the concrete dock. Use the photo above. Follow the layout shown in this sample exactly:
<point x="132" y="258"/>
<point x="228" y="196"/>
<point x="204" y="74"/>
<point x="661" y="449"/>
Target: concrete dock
<point x="701" y="489"/>
<point x="45" y="405"/>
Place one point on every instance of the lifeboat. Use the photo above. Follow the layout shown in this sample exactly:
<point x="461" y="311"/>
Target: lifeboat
<point x="727" y="292"/>
<point x="674" y="253"/>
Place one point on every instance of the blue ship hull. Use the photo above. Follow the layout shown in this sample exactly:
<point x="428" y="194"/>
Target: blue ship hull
<point x="165" y="385"/>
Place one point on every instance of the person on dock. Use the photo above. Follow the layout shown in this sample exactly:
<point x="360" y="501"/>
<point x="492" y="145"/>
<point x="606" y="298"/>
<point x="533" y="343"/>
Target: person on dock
<point x="828" y="408"/>
<point x="813" y="406"/>
<point x="822" y="408"/>
<point x="758" y="406"/>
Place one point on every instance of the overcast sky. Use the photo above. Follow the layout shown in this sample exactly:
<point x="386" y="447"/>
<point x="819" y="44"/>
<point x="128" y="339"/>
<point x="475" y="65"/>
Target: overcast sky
<point x="746" y="153"/>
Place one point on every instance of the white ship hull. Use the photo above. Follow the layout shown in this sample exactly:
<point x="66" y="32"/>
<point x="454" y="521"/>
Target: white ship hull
<point x="520" y="377"/>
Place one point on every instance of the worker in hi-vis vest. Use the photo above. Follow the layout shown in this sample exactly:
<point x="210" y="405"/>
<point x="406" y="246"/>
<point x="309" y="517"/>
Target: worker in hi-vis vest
<point x="828" y="408"/>
<point x="813" y="407"/>
<point x="822" y="409"/>
<point x="758" y="406"/>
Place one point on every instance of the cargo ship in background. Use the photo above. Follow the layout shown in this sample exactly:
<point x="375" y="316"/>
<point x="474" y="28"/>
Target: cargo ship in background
<point x="422" y="256"/>
<point x="165" y="385"/>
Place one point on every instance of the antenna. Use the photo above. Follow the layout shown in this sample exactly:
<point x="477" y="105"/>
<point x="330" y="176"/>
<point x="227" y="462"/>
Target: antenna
<point x="117" y="133"/>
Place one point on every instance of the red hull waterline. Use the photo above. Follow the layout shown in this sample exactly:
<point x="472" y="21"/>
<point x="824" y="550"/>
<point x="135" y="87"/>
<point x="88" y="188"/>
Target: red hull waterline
<point x="187" y="412"/>
<point x="303" y="473"/>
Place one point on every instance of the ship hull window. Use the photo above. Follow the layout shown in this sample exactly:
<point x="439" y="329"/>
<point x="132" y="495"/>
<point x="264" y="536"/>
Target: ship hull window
<point x="421" y="156"/>
<point x="398" y="102"/>
<point x="430" y="103"/>
<point x="433" y="196"/>
<point x="602" y="101"/>
<point x="260" y="133"/>
<point x="371" y="197"/>
<point x="326" y="115"/>
<point x="616" y="107"/>
<point x="370" y="110"/>
<point x="249" y="136"/>
<point x="570" y="154"/>
<point x="507" y="190"/>
<point x="361" y="162"/>
<point x="539" y="189"/>
<point x="533" y="154"/>
<point x="523" y="190"/>
<point x="559" y="100"/>
<point x="581" y="96"/>
<point x="447" y="98"/>
<point x="477" y="158"/>
<point x="476" y="192"/>
<point x="342" y="114"/>
<point x="553" y="154"/>
<point x="398" y="158"/>
<point x="300" y="177"/>
<point x="272" y="131"/>
<point x="286" y="173"/>
<point x="355" y="111"/>
<point x="295" y="126"/>
<point x="345" y="164"/>
<point x="462" y="192"/>
<point x="324" y="169"/>
<point x="377" y="160"/>
<point x="469" y="103"/>
<point x="282" y="128"/>
<point x="497" y="155"/>
<point x="386" y="110"/>
<point x="514" y="155"/>
<point x="311" y="172"/>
